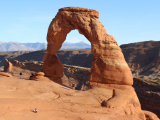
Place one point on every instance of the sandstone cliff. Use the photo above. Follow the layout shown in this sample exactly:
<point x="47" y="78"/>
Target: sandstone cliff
<point x="7" y="66"/>
<point x="143" y="58"/>
<point x="148" y="92"/>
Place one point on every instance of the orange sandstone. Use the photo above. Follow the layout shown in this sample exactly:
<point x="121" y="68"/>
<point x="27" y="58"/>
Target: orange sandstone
<point x="4" y="74"/>
<point x="7" y="66"/>
<point x="109" y="69"/>
<point x="108" y="64"/>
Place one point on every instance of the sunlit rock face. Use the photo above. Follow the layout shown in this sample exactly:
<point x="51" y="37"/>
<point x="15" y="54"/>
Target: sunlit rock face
<point x="108" y="63"/>
<point x="7" y="66"/>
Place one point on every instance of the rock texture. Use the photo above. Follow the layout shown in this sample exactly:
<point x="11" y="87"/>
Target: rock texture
<point x="5" y="74"/>
<point x="19" y="98"/>
<point x="76" y="77"/>
<point x="7" y="66"/>
<point x="108" y="58"/>
<point x="18" y="63"/>
<point x="109" y="72"/>
<point x="109" y="69"/>
<point x="143" y="58"/>
<point x="81" y="58"/>
<point x="39" y="76"/>
<point x="148" y="92"/>
<point x="142" y="54"/>
<point x="30" y="65"/>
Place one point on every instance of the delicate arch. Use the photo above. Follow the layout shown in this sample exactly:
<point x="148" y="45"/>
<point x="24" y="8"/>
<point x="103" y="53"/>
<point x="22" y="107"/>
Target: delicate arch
<point x="108" y="63"/>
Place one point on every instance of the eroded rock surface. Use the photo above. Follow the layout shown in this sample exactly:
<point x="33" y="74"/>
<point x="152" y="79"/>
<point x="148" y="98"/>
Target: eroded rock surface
<point x="142" y="56"/>
<point x="108" y="63"/>
<point x="110" y="79"/>
<point x="4" y="74"/>
<point x="7" y="66"/>
<point x="148" y="92"/>
<point x="19" y="98"/>
<point x="30" y="65"/>
<point x="108" y="58"/>
<point x="109" y="69"/>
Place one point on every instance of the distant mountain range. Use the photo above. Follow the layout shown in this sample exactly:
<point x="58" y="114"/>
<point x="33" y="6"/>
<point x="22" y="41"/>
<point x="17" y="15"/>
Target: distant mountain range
<point x="16" y="46"/>
<point x="75" y="46"/>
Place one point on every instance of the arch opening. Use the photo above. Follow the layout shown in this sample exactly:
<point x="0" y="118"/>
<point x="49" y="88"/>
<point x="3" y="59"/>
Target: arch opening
<point x="76" y="57"/>
<point x="107" y="56"/>
<point x="76" y="41"/>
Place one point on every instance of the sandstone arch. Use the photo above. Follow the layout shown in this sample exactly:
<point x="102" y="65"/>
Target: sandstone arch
<point x="108" y="64"/>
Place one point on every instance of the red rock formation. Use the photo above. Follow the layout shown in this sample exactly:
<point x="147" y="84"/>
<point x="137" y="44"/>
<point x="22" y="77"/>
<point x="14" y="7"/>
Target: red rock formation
<point x="7" y="66"/>
<point x="142" y="56"/>
<point x="52" y="66"/>
<point x="109" y="69"/>
<point x="30" y="65"/>
<point x="18" y="63"/>
<point x="3" y="74"/>
<point x="79" y="76"/>
<point x="108" y="58"/>
<point x="148" y="92"/>
<point x="39" y="76"/>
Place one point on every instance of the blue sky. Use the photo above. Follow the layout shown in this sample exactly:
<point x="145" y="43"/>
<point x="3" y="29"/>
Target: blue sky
<point x="127" y="20"/>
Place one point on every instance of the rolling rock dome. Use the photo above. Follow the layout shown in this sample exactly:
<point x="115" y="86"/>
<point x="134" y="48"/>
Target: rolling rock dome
<point x="109" y="69"/>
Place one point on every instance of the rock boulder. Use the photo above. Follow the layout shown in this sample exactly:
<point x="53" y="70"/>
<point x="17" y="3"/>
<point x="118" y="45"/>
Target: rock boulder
<point x="7" y="66"/>
<point x="4" y="74"/>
